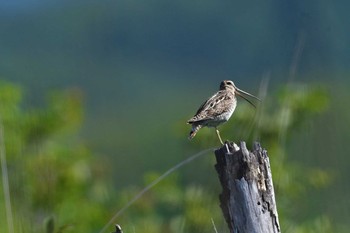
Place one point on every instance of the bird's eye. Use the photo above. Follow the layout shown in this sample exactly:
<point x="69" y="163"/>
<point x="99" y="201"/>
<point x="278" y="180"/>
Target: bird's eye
<point x="230" y="83"/>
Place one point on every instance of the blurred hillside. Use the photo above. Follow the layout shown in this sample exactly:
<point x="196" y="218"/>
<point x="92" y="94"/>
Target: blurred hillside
<point x="143" y="68"/>
<point x="134" y="59"/>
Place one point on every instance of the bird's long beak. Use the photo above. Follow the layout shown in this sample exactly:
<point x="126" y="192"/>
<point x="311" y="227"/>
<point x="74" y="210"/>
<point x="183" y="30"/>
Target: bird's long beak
<point x="242" y="93"/>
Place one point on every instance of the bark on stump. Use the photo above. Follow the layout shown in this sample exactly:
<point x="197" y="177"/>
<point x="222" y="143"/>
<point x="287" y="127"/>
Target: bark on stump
<point x="248" y="199"/>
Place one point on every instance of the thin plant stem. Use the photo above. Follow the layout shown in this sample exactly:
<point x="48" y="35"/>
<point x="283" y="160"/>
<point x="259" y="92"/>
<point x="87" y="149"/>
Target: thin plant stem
<point x="5" y="181"/>
<point x="156" y="181"/>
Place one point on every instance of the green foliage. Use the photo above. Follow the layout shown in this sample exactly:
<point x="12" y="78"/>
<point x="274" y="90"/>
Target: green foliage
<point x="50" y="225"/>
<point x="51" y="171"/>
<point x="57" y="185"/>
<point x="170" y="207"/>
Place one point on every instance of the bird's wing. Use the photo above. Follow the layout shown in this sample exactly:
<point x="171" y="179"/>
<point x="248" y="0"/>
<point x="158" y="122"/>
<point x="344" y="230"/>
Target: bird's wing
<point x="210" y="108"/>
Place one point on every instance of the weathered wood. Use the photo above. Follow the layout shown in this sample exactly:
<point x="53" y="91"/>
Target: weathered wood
<point x="248" y="199"/>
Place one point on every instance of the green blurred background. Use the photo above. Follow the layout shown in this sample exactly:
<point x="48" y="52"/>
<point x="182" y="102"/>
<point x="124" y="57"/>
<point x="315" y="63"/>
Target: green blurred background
<point x="94" y="96"/>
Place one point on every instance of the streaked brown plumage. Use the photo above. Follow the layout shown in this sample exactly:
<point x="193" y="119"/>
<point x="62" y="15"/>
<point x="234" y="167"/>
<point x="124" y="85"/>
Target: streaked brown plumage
<point x="217" y="109"/>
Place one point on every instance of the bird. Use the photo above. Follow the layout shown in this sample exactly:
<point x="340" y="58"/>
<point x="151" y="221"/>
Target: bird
<point x="218" y="108"/>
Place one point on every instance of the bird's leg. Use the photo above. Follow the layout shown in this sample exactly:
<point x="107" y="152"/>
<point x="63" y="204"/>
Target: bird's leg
<point x="218" y="133"/>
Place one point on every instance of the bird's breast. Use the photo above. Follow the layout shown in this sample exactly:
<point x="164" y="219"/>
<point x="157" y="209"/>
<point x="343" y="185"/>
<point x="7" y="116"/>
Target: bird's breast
<point x="225" y="116"/>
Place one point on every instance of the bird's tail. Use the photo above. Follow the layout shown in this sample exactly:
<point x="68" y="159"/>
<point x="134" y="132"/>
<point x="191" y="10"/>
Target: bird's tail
<point x="194" y="130"/>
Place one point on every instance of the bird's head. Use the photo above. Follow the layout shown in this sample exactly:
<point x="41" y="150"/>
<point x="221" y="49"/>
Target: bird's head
<point x="229" y="85"/>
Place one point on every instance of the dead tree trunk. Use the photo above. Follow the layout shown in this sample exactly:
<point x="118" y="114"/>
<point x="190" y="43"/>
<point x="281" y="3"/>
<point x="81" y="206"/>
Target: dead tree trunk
<point x="248" y="199"/>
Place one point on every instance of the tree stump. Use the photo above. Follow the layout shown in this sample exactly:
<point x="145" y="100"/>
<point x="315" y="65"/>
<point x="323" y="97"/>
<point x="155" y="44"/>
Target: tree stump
<point x="248" y="199"/>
